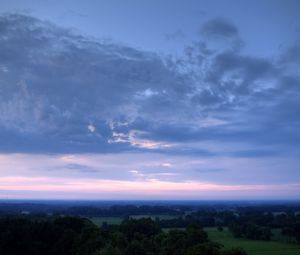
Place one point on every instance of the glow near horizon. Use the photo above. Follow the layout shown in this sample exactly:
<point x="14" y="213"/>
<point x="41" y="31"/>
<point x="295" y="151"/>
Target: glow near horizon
<point x="24" y="180"/>
<point x="152" y="189"/>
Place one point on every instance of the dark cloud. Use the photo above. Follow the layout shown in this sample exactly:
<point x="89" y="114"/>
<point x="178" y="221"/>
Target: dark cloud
<point x="176" y="35"/>
<point x="291" y="55"/>
<point x="255" y="153"/>
<point x="219" y="27"/>
<point x="230" y="66"/>
<point x="55" y="84"/>
<point x="62" y="92"/>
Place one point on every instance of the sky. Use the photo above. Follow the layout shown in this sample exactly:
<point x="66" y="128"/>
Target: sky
<point x="136" y="99"/>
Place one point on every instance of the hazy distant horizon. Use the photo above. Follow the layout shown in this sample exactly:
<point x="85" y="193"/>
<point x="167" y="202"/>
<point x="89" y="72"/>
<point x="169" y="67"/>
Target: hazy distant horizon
<point x="113" y="202"/>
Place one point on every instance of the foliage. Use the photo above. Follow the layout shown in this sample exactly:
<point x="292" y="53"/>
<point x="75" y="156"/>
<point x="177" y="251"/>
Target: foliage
<point x="78" y="236"/>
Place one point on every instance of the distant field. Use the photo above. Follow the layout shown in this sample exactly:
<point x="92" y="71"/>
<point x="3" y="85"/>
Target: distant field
<point x="109" y="220"/>
<point x="153" y="217"/>
<point x="251" y="246"/>
<point x="117" y="220"/>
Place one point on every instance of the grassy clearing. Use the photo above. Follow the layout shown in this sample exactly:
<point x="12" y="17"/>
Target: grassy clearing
<point x="251" y="246"/>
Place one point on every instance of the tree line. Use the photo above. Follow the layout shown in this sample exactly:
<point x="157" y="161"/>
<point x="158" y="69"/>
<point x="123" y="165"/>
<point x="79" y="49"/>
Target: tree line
<point x="79" y="236"/>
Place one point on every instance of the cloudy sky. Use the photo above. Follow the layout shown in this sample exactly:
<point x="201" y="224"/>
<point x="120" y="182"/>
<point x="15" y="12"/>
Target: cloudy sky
<point x="141" y="99"/>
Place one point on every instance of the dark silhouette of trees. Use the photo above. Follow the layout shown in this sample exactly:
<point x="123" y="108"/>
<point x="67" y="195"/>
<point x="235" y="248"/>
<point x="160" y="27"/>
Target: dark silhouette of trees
<point x="78" y="236"/>
<point x="250" y="231"/>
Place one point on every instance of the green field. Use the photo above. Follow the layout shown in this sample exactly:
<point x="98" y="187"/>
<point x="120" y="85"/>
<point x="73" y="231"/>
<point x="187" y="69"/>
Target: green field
<point x="251" y="246"/>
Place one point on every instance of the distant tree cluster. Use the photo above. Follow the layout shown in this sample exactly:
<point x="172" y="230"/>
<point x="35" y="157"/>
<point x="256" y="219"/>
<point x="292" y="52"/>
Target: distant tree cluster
<point x="250" y="231"/>
<point x="250" y="224"/>
<point x="258" y="226"/>
<point x="77" y="236"/>
<point x="88" y="210"/>
<point x="292" y="232"/>
<point x="121" y="210"/>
